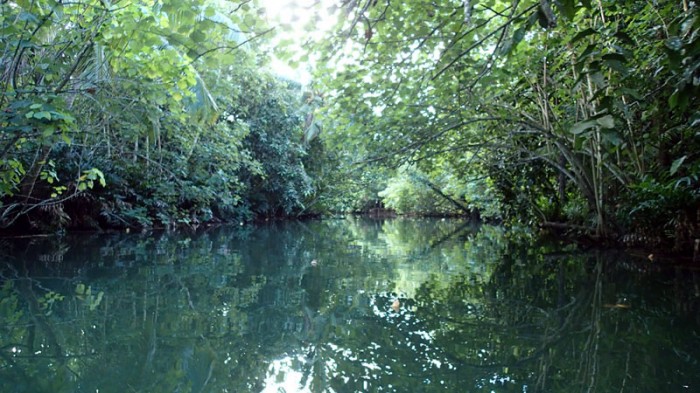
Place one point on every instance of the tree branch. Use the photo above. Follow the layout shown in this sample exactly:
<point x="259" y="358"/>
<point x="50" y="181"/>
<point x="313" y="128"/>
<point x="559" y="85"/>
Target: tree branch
<point x="230" y="48"/>
<point x="481" y="41"/>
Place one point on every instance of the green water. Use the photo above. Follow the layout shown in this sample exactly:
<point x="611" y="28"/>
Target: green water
<point x="243" y="309"/>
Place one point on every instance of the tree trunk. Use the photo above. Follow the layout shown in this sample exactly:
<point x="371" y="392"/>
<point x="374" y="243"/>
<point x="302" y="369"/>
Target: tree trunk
<point x="27" y="184"/>
<point x="448" y="198"/>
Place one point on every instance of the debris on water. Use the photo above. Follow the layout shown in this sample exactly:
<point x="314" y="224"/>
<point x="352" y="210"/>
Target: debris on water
<point x="616" y="305"/>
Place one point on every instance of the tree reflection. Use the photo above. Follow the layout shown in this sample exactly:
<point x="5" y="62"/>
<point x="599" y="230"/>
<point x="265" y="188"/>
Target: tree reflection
<point x="225" y="310"/>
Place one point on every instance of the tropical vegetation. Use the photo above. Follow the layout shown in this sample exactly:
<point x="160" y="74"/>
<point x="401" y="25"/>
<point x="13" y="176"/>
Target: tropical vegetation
<point x="143" y="114"/>
<point x="578" y="115"/>
<point x="574" y="115"/>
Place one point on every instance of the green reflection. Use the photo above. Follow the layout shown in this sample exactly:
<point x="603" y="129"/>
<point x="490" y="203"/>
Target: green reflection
<point x="396" y="306"/>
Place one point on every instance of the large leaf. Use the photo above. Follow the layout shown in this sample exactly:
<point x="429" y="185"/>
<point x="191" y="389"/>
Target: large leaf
<point x="606" y="121"/>
<point x="677" y="164"/>
<point x="582" y="126"/>
<point x="582" y="34"/>
<point x="567" y="8"/>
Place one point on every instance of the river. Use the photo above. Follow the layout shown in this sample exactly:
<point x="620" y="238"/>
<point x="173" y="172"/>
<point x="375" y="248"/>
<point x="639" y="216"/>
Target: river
<point x="342" y="305"/>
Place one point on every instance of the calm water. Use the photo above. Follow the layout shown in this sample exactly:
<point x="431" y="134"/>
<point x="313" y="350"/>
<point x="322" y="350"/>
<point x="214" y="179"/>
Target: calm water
<point x="390" y="306"/>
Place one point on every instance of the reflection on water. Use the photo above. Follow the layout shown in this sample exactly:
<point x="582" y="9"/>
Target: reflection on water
<point x="387" y="306"/>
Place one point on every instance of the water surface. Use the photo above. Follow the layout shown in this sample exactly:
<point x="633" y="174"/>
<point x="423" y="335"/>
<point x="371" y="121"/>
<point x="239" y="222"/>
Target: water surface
<point x="387" y="306"/>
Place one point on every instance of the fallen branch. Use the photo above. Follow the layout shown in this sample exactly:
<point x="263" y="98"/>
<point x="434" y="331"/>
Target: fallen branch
<point x="563" y="225"/>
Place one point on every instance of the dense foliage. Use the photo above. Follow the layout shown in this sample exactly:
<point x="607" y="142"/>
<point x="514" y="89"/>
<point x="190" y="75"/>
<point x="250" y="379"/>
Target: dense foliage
<point x="578" y="114"/>
<point x="144" y="114"/>
<point x="570" y="114"/>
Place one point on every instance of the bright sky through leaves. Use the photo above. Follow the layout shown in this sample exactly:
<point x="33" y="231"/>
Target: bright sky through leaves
<point x="292" y="19"/>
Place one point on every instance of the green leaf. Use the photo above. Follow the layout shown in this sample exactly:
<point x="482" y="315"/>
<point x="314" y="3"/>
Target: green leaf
<point x="518" y="36"/>
<point x="582" y="126"/>
<point x="47" y="132"/>
<point x="679" y="99"/>
<point x="250" y="21"/>
<point x="631" y="92"/>
<point x="567" y="8"/>
<point x="513" y="42"/>
<point x="624" y="37"/>
<point x="542" y="18"/>
<point x="182" y="84"/>
<point x="598" y="80"/>
<point x="28" y="17"/>
<point x="590" y="49"/>
<point x="673" y="100"/>
<point x="617" y="66"/>
<point x="674" y="58"/>
<point x="606" y="121"/>
<point x="615" y="57"/>
<point x="676" y="164"/>
<point x="613" y="137"/>
<point x="197" y="36"/>
<point x="582" y="34"/>
<point x="42" y="115"/>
